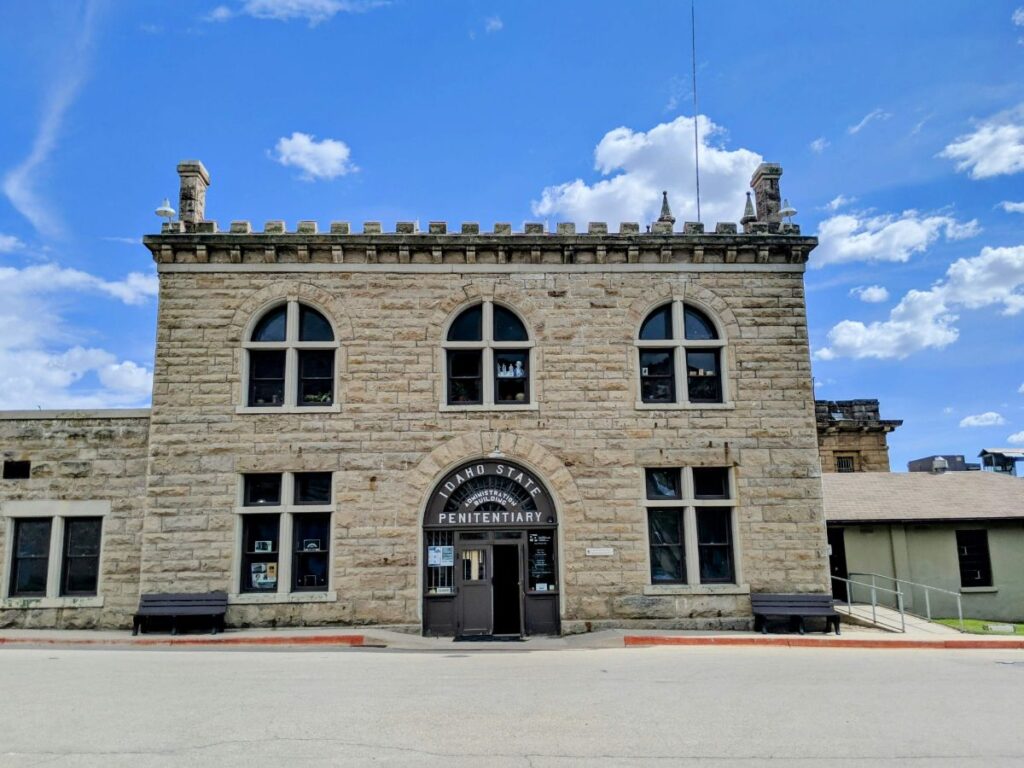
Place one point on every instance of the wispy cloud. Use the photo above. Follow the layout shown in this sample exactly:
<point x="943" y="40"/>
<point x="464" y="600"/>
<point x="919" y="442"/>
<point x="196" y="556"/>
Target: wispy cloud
<point x="10" y="244"/>
<point x="987" y="419"/>
<point x="838" y="202"/>
<point x="20" y="183"/>
<point x="819" y="145"/>
<point x="1011" y="207"/>
<point x="870" y="294"/>
<point x="875" y="114"/>
<point x="1017" y="438"/>
<point x="493" y="24"/>
<point x="324" y="159"/>
<point x="312" y="11"/>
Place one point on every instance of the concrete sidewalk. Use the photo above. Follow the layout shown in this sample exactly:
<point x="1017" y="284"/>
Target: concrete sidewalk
<point x="374" y="637"/>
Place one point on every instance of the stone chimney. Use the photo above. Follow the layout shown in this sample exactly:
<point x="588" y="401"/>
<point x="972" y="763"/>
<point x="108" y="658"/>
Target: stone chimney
<point x="765" y="184"/>
<point x="192" y="198"/>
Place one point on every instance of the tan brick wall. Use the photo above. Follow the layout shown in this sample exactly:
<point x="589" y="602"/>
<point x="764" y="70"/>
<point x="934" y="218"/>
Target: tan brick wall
<point x="76" y="459"/>
<point x="869" y="449"/>
<point x="390" y="441"/>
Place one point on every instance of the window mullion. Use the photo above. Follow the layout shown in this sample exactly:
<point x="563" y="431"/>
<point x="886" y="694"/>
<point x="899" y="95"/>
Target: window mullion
<point x="291" y="376"/>
<point x="55" y="566"/>
<point x="292" y="322"/>
<point x="487" y="319"/>
<point x="284" y="553"/>
<point x="487" y="381"/>
<point x="690" y="546"/>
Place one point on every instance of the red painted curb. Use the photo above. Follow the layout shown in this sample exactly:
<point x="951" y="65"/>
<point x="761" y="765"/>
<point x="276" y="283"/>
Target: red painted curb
<point x="346" y="640"/>
<point x="830" y="642"/>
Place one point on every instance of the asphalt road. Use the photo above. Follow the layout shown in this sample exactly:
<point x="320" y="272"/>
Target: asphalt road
<point x="621" y="707"/>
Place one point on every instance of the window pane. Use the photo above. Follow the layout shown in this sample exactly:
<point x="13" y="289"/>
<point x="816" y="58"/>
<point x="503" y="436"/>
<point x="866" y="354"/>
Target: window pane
<point x="468" y="326"/>
<point x="657" y="376"/>
<point x="711" y="482"/>
<point x="511" y="377"/>
<point x="259" y="552"/>
<point x="313" y="326"/>
<point x="312" y="551"/>
<point x="665" y="532"/>
<point x="465" y="363"/>
<point x="658" y="324"/>
<point x="32" y="538"/>
<point x="316" y="377"/>
<point x="262" y="489"/>
<point x="508" y="327"/>
<point x="81" y="564"/>
<point x="312" y="488"/>
<point x="267" y="364"/>
<point x="266" y="378"/>
<point x="31" y="556"/>
<point x="29" y="577"/>
<point x="663" y="484"/>
<point x="712" y="525"/>
<point x="972" y="552"/>
<point x="702" y="377"/>
<point x="474" y="564"/>
<point x="714" y="544"/>
<point x="440" y="559"/>
<point x="697" y="325"/>
<point x="81" y="576"/>
<point x="83" y="537"/>
<point x="666" y="526"/>
<point x="464" y="376"/>
<point x="271" y="326"/>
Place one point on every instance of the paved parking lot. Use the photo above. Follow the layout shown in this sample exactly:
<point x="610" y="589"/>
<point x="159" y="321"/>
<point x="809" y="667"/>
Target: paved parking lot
<point x="608" y="707"/>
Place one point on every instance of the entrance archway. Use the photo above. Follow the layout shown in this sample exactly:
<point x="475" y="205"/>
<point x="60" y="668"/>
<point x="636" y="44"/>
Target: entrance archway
<point x="490" y="545"/>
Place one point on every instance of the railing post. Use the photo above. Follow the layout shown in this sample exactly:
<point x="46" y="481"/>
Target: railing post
<point x="874" y="600"/>
<point x="927" y="604"/>
<point x="960" y="613"/>
<point x="903" y="618"/>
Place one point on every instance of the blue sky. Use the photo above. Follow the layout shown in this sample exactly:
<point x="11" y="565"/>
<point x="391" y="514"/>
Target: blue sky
<point x="900" y="127"/>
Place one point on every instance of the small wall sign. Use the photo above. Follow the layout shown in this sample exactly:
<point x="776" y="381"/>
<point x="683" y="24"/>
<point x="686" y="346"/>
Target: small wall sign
<point x="600" y="551"/>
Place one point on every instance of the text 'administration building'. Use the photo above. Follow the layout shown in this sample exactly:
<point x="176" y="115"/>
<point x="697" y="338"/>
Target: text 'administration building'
<point x="459" y="433"/>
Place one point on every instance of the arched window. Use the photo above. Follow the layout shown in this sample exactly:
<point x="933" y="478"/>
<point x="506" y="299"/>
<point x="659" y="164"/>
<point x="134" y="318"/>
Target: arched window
<point x="679" y="343"/>
<point x="290" y="359"/>
<point x="488" y="358"/>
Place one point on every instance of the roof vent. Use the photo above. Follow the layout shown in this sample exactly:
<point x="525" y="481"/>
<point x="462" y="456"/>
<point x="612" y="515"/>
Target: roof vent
<point x="939" y="465"/>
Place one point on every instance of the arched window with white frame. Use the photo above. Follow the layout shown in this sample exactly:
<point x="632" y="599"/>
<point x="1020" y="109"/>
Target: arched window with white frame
<point x="681" y="357"/>
<point x="488" y="357"/>
<point x="290" y="359"/>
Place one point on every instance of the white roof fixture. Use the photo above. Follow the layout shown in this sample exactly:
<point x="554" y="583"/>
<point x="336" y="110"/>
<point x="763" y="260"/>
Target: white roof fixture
<point x="165" y="211"/>
<point x="939" y="465"/>
<point x="788" y="211"/>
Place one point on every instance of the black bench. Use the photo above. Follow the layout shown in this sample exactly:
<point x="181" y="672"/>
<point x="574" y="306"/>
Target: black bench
<point x="208" y="607"/>
<point x="793" y="607"/>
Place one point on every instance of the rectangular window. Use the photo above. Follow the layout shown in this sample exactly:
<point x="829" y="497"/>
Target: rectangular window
<point x="844" y="464"/>
<point x="465" y="377"/>
<point x="316" y="377"/>
<point x="311" y="544"/>
<point x="260" y="536"/>
<point x="511" y="376"/>
<point x="17" y="470"/>
<point x="266" y="377"/>
<point x="972" y="552"/>
<point x="262" y="490"/>
<point x="312" y="487"/>
<point x="31" y="557"/>
<point x="702" y="379"/>
<point x="440" y="562"/>
<point x="657" y="376"/>
<point x="690" y="508"/>
<point x="81" y="567"/>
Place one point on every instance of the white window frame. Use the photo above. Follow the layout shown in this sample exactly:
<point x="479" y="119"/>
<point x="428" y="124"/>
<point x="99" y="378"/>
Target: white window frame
<point x="691" y="551"/>
<point x="57" y="511"/>
<point x="679" y="344"/>
<point x="286" y="510"/>
<point x="291" y="346"/>
<point x="488" y="346"/>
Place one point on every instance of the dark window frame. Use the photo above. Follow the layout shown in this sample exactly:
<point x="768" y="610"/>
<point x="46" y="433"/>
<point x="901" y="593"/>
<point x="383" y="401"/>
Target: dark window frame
<point x="503" y="332"/>
<point x="692" y="332"/>
<point x="974" y="558"/>
<point x="843" y="466"/>
<point x="16" y="559"/>
<point x="67" y="559"/>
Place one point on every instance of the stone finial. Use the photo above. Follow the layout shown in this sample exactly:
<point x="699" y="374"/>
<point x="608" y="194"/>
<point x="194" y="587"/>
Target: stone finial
<point x="438" y="227"/>
<point x="566" y="228"/>
<point x="534" y="228"/>
<point x="504" y="228"/>
<point x="765" y="183"/>
<point x="629" y="228"/>
<point x="470" y="228"/>
<point x="666" y="212"/>
<point x="405" y="227"/>
<point x="597" y="228"/>
<point x="340" y="228"/>
<point x="194" y="180"/>
<point x="307" y="228"/>
<point x="371" y="228"/>
<point x="274" y="228"/>
<point x="240" y="228"/>
<point x="725" y="228"/>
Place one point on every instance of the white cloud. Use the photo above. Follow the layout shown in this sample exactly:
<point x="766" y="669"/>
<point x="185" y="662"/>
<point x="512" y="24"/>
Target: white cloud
<point x="838" y="202"/>
<point x="925" y="319"/>
<point x="493" y="24"/>
<point x="862" y="237"/>
<point x="875" y="114"/>
<point x="994" y="148"/>
<point x="819" y="145"/>
<point x="640" y="164"/>
<point x="1017" y="438"/>
<point x="19" y="183"/>
<point x="324" y="159"/>
<point x="948" y="410"/>
<point x="9" y="243"/>
<point x="1009" y="207"/>
<point x="42" y="360"/>
<point x="1018" y="17"/>
<point x="987" y="419"/>
<point x="871" y="294"/>
<point x="1020" y="389"/>
<point x="313" y="11"/>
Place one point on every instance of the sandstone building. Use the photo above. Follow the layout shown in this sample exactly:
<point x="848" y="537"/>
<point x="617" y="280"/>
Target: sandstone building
<point x="852" y="436"/>
<point x="455" y="432"/>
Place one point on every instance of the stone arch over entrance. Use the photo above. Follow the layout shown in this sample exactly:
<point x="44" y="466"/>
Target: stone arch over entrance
<point x="490" y="549"/>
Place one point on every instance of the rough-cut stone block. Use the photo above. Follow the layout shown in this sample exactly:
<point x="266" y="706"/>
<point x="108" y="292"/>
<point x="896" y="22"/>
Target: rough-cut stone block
<point x="661" y="228"/>
<point x="597" y="228"/>
<point x="340" y="227"/>
<point x="405" y="227"/>
<point x="725" y="228"/>
<point x="470" y="228"/>
<point x="534" y="228"/>
<point x="307" y="228"/>
<point x="629" y="228"/>
<point x="241" y="227"/>
<point x="207" y="227"/>
<point x="438" y="227"/>
<point x="693" y="228"/>
<point x="503" y="228"/>
<point x="566" y="228"/>
<point x="275" y="227"/>
<point x="371" y="228"/>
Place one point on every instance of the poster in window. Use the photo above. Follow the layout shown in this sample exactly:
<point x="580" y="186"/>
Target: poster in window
<point x="440" y="556"/>
<point x="541" y="562"/>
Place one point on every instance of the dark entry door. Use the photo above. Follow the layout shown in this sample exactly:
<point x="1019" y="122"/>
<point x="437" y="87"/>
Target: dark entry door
<point x="507" y="589"/>
<point x="475" y="614"/>
<point x="837" y="562"/>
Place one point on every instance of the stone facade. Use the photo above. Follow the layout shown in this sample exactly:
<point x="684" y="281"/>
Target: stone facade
<point x="852" y="437"/>
<point x="390" y="436"/>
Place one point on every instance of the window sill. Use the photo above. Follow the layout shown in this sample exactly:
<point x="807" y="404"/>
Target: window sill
<point x="978" y="590"/>
<point x="655" y="590"/>
<point x="29" y="603"/>
<point x="282" y="597"/>
<point x="446" y="408"/>
<point x="336" y="408"/>
<point x="642" y="406"/>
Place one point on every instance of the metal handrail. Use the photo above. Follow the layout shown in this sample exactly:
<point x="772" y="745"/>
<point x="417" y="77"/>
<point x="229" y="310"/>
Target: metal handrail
<point x="928" y="589"/>
<point x="874" y="599"/>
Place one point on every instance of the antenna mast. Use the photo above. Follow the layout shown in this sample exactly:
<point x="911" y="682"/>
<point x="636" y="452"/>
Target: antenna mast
<point x="696" y="141"/>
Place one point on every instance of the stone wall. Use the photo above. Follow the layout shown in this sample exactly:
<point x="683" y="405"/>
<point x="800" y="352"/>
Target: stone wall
<point x="391" y="439"/>
<point x="80" y="456"/>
